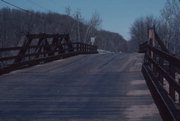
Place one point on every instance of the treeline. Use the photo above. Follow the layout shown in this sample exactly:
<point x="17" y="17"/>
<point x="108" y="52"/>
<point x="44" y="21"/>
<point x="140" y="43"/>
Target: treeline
<point x="167" y="26"/>
<point x="105" y="39"/>
<point x="15" y="24"/>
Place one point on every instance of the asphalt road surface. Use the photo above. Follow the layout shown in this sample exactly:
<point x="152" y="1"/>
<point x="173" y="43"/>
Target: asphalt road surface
<point x="99" y="87"/>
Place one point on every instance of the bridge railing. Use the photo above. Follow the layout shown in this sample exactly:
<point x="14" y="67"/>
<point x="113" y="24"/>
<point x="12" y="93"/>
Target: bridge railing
<point x="41" y="48"/>
<point x="162" y="74"/>
<point x="82" y="48"/>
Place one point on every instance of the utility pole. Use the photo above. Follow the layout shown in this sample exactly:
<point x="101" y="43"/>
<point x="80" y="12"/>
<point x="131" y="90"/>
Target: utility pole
<point x="78" y="26"/>
<point x="79" y="38"/>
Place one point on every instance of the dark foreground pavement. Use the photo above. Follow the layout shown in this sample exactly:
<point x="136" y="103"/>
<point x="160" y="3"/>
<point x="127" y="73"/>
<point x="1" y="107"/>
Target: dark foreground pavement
<point x="101" y="87"/>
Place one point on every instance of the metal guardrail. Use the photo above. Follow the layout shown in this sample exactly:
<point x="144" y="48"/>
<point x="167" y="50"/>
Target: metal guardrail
<point x="41" y="48"/>
<point x="162" y="74"/>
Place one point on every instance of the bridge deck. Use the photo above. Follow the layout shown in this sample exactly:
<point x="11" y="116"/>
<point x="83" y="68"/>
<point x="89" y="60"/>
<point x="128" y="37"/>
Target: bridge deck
<point x="101" y="87"/>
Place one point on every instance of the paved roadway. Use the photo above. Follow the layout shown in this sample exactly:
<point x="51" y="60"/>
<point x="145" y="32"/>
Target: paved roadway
<point x="100" y="87"/>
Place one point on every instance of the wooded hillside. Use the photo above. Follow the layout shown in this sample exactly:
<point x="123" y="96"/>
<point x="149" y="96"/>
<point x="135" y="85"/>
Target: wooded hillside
<point x="15" y="24"/>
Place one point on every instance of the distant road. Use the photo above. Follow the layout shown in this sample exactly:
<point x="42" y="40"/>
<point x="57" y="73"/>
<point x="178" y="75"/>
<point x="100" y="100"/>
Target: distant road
<point x="100" y="87"/>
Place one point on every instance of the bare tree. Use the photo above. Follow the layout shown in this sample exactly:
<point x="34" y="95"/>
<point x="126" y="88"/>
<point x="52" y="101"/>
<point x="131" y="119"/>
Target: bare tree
<point x="139" y="30"/>
<point x="170" y="24"/>
<point x="78" y="18"/>
<point x="68" y="10"/>
<point x="92" y="25"/>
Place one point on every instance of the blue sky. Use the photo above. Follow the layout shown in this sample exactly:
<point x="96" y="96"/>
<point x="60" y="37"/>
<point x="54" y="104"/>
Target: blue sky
<point x="117" y="15"/>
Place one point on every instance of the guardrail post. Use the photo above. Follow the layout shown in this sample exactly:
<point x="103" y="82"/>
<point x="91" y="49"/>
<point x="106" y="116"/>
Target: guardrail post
<point x="152" y="44"/>
<point x="161" y="63"/>
<point x="86" y="48"/>
<point x="29" y="51"/>
<point x="179" y="93"/>
<point x="80" y="47"/>
<point x="77" y="47"/>
<point x="171" y="89"/>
